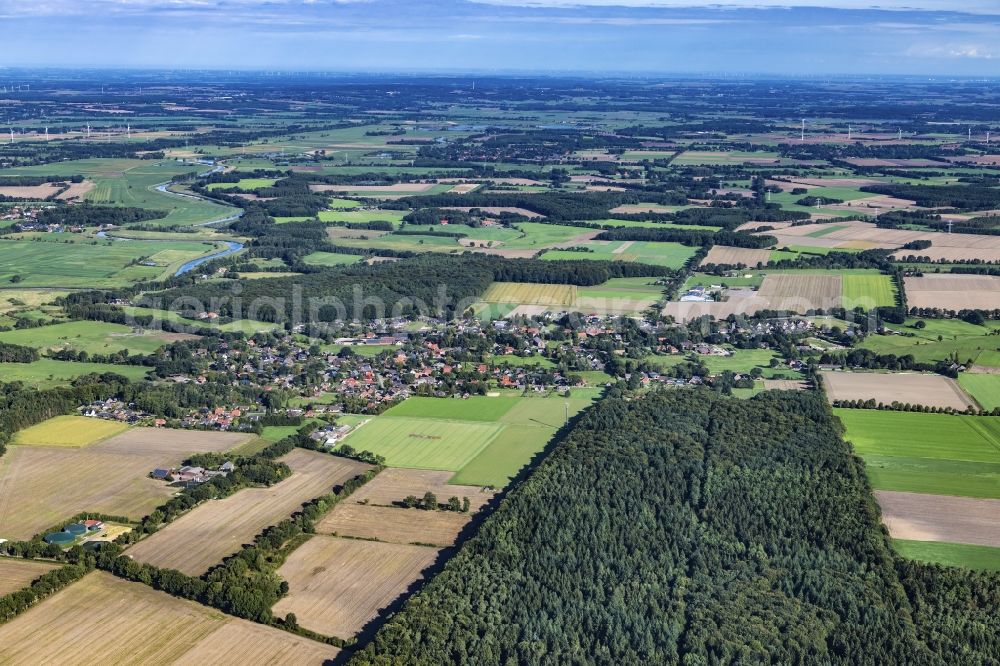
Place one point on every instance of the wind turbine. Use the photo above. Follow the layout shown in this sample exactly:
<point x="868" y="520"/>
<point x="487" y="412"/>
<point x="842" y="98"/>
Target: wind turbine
<point x="849" y="131"/>
<point x="802" y="136"/>
<point x="11" y="134"/>
<point x="900" y="137"/>
<point x="128" y="131"/>
<point x="88" y="130"/>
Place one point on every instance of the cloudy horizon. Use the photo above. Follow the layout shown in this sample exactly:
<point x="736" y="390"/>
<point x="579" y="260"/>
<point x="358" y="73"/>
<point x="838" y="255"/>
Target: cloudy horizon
<point x="852" y="37"/>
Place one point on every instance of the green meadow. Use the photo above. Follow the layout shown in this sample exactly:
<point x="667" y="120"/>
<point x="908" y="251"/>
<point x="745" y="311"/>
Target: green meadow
<point x="484" y="440"/>
<point x="982" y="558"/>
<point x="927" y="453"/>
<point x="938" y="340"/>
<point x="49" y="373"/>
<point x="93" y="337"/>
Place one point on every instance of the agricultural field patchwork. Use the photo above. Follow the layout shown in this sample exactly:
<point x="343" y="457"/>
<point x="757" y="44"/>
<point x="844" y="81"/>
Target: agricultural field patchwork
<point x="203" y="537"/>
<point x="43" y="485"/>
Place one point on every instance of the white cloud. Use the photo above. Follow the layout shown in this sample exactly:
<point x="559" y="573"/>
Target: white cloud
<point x="955" y="51"/>
<point x="965" y="7"/>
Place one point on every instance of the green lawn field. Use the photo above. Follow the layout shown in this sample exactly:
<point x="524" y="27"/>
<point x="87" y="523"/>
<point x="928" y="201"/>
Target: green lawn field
<point x="671" y="255"/>
<point x="423" y="443"/>
<point x="929" y="453"/>
<point x="476" y="408"/>
<point x="984" y="388"/>
<point x="93" y="337"/>
<point x="868" y="291"/>
<point x="969" y="341"/>
<point x="49" y="373"/>
<point x="331" y="259"/>
<point x="245" y="184"/>
<point x="982" y="558"/>
<point x="394" y="216"/>
<point x="485" y="440"/>
<point x="92" y="263"/>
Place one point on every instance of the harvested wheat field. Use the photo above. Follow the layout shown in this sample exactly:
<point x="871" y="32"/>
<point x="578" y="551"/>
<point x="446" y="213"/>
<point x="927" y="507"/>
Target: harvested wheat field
<point x="201" y="538"/>
<point x="34" y="192"/>
<point x="785" y="385"/>
<point x="988" y="255"/>
<point x="732" y="256"/>
<point x="953" y="292"/>
<point x="497" y="210"/>
<point x="394" y="524"/>
<point x="395" y="483"/>
<point x="921" y="517"/>
<point x="77" y="190"/>
<point x="17" y="574"/>
<point x="43" y="485"/>
<point x="800" y="292"/>
<point x="531" y="294"/>
<point x="912" y="388"/>
<point x="103" y="619"/>
<point x="336" y="586"/>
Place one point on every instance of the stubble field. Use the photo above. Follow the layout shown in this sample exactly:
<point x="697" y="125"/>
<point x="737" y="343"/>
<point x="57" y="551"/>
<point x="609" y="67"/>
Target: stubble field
<point x="203" y="537"/>
<point x="103" y="619"/>
<point x="43" y="485"/>
<point x="336" y="586"/>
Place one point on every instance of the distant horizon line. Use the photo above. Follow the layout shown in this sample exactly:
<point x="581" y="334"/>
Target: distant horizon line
<point x="498" y="74"/>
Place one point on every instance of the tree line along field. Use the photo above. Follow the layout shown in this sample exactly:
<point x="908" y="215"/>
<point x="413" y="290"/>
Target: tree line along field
<point x="204" y="536"/>
<point x="16" y="574"/>
<point x="913" y="388"/>
<point x="41" y="485"/>
<point x="374" y="511"/>
<point x="150" y="627"/>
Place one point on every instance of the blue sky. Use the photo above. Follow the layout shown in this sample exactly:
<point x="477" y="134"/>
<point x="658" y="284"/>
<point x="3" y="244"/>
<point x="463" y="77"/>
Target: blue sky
<point x="924" y="37"/>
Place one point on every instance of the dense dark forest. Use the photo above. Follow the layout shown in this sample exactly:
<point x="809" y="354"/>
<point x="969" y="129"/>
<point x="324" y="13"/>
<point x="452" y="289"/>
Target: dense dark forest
<point x="441" y="283"/>
<point x="702" y="530"/>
